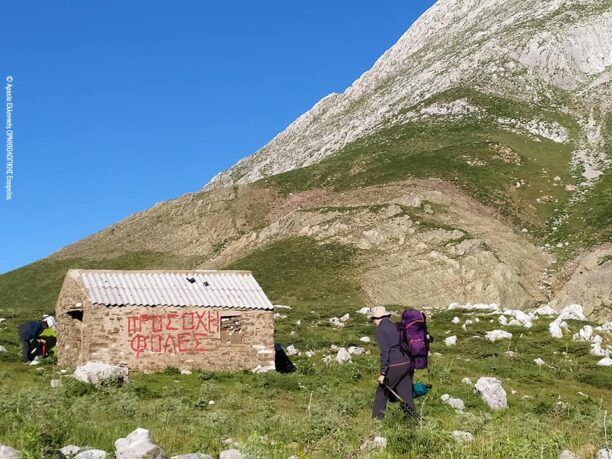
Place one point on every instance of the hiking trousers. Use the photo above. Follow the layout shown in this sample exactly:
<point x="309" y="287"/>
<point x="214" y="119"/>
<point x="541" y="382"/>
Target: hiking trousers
<point x="26" y="350"/>
<point x="399" y="378"/>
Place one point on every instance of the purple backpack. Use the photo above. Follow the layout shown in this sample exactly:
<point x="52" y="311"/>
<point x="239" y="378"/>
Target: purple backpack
<point x="414" y="339"/>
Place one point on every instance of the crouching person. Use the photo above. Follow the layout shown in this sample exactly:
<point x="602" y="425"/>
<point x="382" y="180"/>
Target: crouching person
<point x="29" y="333"/>
<point x="395" y="368"/>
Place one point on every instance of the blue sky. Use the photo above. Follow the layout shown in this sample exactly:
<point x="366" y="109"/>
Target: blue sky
<point x="119" y="105"/>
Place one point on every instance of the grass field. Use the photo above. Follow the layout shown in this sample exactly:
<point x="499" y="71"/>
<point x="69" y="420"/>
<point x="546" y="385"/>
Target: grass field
<point x="324" y="410"/>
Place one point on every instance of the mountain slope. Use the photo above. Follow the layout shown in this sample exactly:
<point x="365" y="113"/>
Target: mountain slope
<point x="554" y="54"/>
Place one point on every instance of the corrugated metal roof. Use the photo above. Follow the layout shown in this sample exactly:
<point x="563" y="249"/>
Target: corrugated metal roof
<point x="224" y="289"/>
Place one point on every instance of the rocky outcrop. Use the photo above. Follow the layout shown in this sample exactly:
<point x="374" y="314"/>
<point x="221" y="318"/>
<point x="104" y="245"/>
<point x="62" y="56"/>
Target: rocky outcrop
<point x="588" y="281"/>
<point x="526" y="49"/>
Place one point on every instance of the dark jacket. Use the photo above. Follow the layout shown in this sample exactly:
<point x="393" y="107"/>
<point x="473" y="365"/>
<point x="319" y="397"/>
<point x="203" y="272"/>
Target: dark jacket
<point x="388" y="339"/>
<point x="31" y="330"/>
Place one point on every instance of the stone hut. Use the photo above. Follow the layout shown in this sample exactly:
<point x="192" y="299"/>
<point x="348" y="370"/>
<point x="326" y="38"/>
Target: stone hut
<point x="148" y="320"/>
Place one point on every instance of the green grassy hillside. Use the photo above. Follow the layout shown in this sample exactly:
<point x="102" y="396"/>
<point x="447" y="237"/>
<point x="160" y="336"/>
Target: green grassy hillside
<point x="324" y="410"/>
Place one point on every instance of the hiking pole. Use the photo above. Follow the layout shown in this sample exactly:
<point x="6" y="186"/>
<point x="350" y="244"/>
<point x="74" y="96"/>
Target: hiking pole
<point x="409" y="411"/>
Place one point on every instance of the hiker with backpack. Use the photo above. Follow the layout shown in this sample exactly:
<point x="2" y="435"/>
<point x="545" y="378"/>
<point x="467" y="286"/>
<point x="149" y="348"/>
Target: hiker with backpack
<point x="395" y="365"/>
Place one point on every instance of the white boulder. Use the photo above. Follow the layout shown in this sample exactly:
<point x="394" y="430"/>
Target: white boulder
<point x="138" y="445"/>
<point x="546" y="310"/>
<point x="462" y="436"/>
<point x="336" y="322"/>
<point x="345" y="317"/>
<point x="2" y="349"/>
<point x="365" y="311"/>
<point x="503" y="320"/>
<point x="365" y="339"/>
<point x="98" y="372"/>
<point x="291" y="350"/>
<point x="375" y="443"/>
<point x="539" y="362"/>
<point x="456" y="320"/>
<point x="496" y="335"/>
<point x="264" y="368"/>
<point x="6" y="452"/>
<point x="584" y="334"/>
<point x="598" y="351"/>
<point x="193" y="456"/>
<point x="92" y="454"/>
<point x="231" y="454"/>
<point x="467" y="381"/>
<point x="567" y="454"/>
<point x="572" y="312"/>
<point x="71" y="450"/>
<point x="455" y="403"/>
<point x="492" y="392"/>
<point x="605" y="362"/>
<point x="355" y="350"/>
<point x="343" y="356"/>
<point x="604" y="453"/>
<point x="451" y="341"/>
<point x="556" y="328"/>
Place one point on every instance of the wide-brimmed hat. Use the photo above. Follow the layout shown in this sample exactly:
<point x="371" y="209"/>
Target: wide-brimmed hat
<point x="378" y="312"/>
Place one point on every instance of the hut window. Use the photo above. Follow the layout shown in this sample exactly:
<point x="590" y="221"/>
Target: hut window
<point x="231" y="329"/>
<point x="76" y="314"/>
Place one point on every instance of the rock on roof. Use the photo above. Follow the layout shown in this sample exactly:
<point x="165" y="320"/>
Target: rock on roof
<point x="224" y="289"/>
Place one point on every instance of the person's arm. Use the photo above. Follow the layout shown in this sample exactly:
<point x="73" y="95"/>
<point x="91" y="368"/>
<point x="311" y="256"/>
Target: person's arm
<point x="383" y="343"/>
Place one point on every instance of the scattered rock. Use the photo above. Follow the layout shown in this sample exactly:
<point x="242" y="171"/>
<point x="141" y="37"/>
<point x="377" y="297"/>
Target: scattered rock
<point x="496" y="335"/>
<point x="6" y="452"/>
<point x="193" y="456"/>
<point x="354" y="350"/>
<point x="492" y="392"/>
<point x="365" y="311"/>
<point x="336" y="322"/>
<point x="572" y="312"/>
<point x="55" y="383"/>
<point x="138" y="445"/>
<point x="365" y="339"/>
<point x="539" y="362"/>
<point x="99" y="454"/>
<point x="456" y="320"/>
<point x="567" y="454"/>
<point x="510" y="354"/>
<point x="97" y="372"/>
<point x="298" y="322"/>
<point x="264" y="368"/>
<point x="71" y="450"/>
<point x="345" y="317"/>
<point x="231" y="454"/>
<point x="375" y="443"/>
<point x="309" y="353"/>
<point x="185" y="372"/>
<point x="343" y="356"/>
<point x="455" y="403"/>
<point x="604" y="453"/>
<point x="556" y="328"/>
<point x="2" y="349"/>
<point x="467" y="381"/>
<point x="584" y="334"/>
<point x="605" y="362"/>
<point x="545" y="310"/>
<point x="503" y="320"/>
<point x="291" y="350"/>
<point x="278" y="315"/>
<point x="451" y="341"/>
<point x="462" y="436"/>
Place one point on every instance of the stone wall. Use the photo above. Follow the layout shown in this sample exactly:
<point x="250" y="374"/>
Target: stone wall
<point x="70" y="310"/>
<point x="152" y="338"/>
